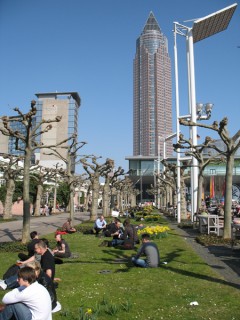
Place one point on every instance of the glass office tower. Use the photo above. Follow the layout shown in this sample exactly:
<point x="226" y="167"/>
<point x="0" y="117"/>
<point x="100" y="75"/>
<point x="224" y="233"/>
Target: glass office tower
<point x="152" y="110"/>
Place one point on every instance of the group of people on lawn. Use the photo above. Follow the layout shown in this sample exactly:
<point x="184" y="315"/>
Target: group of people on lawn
<point x="32" y="279"/>
<point x="124" y="236"/>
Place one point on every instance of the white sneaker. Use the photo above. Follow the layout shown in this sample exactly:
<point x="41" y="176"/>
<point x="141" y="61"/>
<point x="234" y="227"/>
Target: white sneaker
<point x="57" y="308"/>
<point x="3" y="285"/>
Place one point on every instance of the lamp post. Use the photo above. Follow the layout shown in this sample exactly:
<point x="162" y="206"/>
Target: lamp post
<point x="202" y="28"/>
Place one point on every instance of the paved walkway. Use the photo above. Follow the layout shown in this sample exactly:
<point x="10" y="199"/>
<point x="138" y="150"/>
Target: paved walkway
<point x="12" y="231"/>
<point x="222" y="258"/>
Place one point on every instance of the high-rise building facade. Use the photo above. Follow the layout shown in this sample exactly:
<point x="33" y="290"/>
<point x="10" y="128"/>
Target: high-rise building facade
<point x="49" y="106"/>
<point x="152" y="110"/>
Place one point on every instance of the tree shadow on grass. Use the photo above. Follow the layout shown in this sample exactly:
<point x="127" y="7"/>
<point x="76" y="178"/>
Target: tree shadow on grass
<point x="202" y="277"/>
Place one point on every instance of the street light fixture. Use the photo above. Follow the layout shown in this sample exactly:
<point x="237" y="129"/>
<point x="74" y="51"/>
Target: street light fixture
<point x="204" y="111"/>
<point x="202" y="29"/>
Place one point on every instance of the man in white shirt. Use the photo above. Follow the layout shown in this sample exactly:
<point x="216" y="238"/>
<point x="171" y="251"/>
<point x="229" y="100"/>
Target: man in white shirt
<point x="100" y="224"/>
<point x="31" y="301"/>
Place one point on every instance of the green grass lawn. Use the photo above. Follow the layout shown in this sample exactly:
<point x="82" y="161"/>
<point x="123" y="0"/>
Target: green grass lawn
<point x="114" y="289"/>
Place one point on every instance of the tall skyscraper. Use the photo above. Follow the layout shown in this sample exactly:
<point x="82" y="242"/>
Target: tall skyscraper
<point x="152" y="110"/>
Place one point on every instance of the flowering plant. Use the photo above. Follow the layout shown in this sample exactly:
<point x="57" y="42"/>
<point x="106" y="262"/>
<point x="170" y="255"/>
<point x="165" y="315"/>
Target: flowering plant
<point x="155" y="231"/>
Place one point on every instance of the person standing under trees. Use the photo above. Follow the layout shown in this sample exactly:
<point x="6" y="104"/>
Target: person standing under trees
<point x="150" y="251"/>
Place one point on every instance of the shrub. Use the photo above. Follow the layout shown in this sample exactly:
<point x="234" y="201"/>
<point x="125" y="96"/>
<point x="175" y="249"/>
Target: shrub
<point x="13" y="246"/>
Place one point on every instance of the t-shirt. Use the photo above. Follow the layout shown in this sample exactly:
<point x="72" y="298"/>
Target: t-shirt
<point x="150" y="250"/>
<point x="47" y="262"/>
<point x="35" y="297"/>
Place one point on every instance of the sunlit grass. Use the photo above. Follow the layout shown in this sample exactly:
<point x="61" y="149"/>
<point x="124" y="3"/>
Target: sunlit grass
<point x="96" y="281"/>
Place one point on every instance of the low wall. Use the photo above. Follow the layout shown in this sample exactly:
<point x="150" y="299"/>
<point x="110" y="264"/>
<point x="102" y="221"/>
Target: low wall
<point x="17" y="208"/>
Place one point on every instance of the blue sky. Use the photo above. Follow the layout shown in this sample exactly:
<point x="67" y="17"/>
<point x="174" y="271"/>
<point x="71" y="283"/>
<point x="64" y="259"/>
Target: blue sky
<point x="89" y="47"/>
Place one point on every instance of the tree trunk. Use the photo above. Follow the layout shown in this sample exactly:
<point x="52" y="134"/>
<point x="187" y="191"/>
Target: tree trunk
<point x="183" y="200"/>
<point x="133" y="201"/>
<point x="120" y="202"/>
<point x="10" y="184"/>
<point x="199" y="194"/>
<point x="95" y="195"/>
<point x="71" y="203"/>
<point x="87" y="199"/>
<point x="228" y="198"/>
<point x="38" y="200"/>
<point x="26" y="197"/>
<point x="106" y="199"/>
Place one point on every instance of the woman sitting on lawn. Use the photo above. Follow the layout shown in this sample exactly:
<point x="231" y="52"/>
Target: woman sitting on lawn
<point x="67" y="226"/>
<point x="62" y="249"/>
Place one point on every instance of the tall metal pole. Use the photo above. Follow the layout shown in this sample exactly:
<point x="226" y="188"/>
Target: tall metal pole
<point x="158" y="192"/>
<point x="193" y="113"/>
<point x="177" y="125"/>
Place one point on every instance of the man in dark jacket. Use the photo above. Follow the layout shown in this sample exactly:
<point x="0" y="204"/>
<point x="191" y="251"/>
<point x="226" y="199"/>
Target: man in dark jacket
<point x="130" y="236"/>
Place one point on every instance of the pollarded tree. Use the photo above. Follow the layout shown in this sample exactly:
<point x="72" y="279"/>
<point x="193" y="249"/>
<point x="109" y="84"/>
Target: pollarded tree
<point x="110" y="178"/>
<point x="41" y="175"/>
<point x="171" y="171"/>
<point x="231" y="146"/>
<point x="12" y="168"/>
<point x="26" y="141"/>
<point x="124" y="190"/>
<point x="71" y="160"/>
<point x="197" y="152"/>
<point x="95" y="171"/>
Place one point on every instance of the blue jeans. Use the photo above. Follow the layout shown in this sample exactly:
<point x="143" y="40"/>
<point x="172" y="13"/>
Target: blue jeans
<point x="12" y="282"/>
<point x="117" y="242"/>
<point x="139" y="262"/>
<point x="16" y="311"/>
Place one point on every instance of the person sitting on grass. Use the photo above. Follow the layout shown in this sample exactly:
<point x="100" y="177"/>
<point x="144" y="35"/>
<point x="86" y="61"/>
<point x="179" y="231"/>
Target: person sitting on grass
<point x="30" y="247"/>
<point x="67" y="226"/>
<point x="100" y="225"/>
<point x="62" y="249"/>
<point x="117" y="233"/>
<point x="130" y="236"/>
<point x="41" y="277"/>
<point x="148" y="249"/>
<point x="30" y="301"/>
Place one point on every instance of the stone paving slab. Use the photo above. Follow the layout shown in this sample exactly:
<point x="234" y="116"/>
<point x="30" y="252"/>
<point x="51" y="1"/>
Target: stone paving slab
<point x="12" y="230"/>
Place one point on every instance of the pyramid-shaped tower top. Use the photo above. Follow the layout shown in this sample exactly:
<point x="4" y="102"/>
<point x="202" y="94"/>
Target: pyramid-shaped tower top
<point x="151" y="24"/>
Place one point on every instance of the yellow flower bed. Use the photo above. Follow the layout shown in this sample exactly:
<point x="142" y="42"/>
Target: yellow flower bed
<point x="155" y="231"/>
